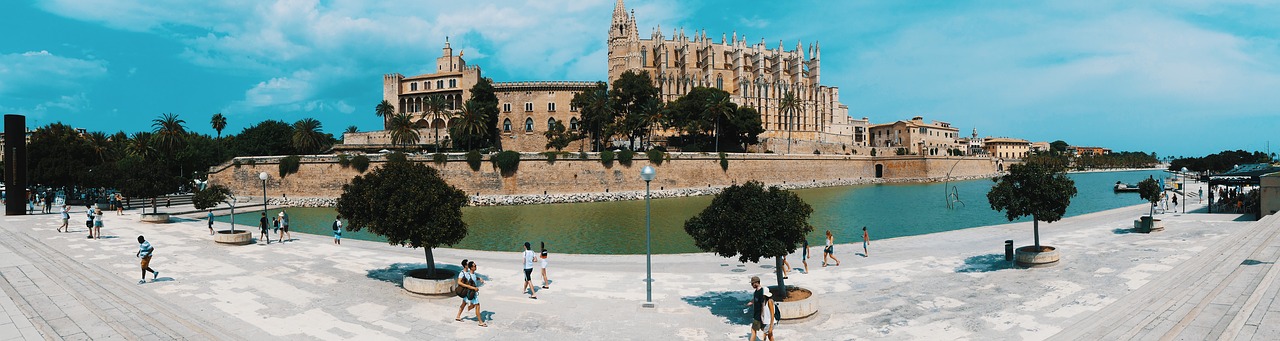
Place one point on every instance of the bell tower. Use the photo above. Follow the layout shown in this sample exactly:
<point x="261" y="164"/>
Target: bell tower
<point x="624" y="42"/>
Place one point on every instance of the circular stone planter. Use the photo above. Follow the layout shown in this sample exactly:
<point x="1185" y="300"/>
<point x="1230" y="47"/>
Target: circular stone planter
<point x="240" y="237"/>
<point x="1147" y="225"/>
<point x="441" y="285"/>
<point x="804" y="307"/>
<point x="155" y="218"/>
<point x="1029" y="257"/>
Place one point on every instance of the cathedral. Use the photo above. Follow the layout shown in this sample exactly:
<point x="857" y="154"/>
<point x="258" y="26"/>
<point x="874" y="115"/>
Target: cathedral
<point x="753" y="74"/>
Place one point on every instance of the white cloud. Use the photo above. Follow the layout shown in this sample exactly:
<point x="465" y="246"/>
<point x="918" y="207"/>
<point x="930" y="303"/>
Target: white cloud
<point x="37" y="72"/>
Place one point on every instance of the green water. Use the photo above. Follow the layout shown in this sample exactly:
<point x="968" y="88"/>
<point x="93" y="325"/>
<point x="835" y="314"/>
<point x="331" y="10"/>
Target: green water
<point x="888" y="211"/>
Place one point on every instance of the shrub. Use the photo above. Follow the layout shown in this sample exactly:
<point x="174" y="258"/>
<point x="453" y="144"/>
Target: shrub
<point x="440" y="158"/>
<point x="360" y="163"/>
<point x="473" y="160"/>
<point x="873" y="152"/>
<point x="290" y="165"/>
<point x="344" y="161"/>
<point x="551" y="156"/>
<point x="606" y="158"/>
<point x="252" y="162"/>
<point x="582" y="155"/>
<point x="507" y="162"/>
<point x="655" y="156"/>
<point x="236" y="163"/>
<point x="397" y="157"/>
<point x="724" y="162"/>
<point x="625" y="156"/>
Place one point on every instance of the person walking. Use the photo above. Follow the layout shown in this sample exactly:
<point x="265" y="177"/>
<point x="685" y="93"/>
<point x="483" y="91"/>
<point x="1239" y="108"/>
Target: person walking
<point x="88" y="222"/>
<point x="804" y="255"/>
<point x="144" y="251"/>
<point x="866" y="238"/>
<point x="337" y="231"/>
<point x="284" y="226"/>
<point x="542" y="262"/>
<point x="262" y="225"/>
<point x="97" y="223"/>
<point x="210" y="218"/>
<point x="1175" y="201"/>
<point x="119" y="204"/>
<point x="473" y="299"/>
<point x="529" y="258"/>
<point x="275" y="226"/>
<point x="786" y="268"/>
<point x="761" y="306"/>
<point x="66" y="217"/>
<point x="829" y="251"/>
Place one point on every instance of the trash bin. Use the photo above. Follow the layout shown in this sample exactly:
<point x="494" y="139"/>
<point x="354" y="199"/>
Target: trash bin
<point x="1008" y="250"/>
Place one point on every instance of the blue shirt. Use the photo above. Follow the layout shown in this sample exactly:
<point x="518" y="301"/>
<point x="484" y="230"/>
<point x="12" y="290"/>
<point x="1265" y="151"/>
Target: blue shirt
<point x="145" y="249"/>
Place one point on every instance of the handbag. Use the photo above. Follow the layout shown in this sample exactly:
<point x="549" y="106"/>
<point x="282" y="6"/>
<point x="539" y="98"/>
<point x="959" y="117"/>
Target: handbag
<point x="462" y="291"/>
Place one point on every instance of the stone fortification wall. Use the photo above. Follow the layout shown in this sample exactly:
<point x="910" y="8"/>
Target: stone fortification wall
<point x="322" y="177"/>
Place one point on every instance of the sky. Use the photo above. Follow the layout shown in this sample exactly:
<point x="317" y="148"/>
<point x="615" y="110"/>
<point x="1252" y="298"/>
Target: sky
<point x="1175" y="77"/>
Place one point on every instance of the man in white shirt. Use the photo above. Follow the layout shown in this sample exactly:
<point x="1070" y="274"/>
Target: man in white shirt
<point x="529" y="258"/>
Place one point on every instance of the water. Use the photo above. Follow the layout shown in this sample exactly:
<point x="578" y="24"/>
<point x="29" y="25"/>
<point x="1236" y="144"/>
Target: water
<point x="888" y="211"/>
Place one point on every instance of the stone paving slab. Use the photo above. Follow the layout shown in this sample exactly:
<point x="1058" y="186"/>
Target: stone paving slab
<point x="951" y="285"/>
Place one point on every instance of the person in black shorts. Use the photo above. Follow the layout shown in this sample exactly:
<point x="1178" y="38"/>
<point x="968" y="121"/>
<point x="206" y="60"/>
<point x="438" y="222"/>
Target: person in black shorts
<point x="262" y="224"/>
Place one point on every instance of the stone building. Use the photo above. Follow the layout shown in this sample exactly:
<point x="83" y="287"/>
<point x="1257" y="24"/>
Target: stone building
<point x="1007" y="148"/>
<point x="918" y="137"/>
<point x="753" y="74"/>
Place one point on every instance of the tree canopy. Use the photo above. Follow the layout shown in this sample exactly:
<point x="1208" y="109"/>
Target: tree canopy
<point x="752" y="222"/>
<point x="1035" y="190"/>
<point x="476" y="125"/>
<point x="407" y="203"/>
<point x="1149" y="190"/>
<point x="706" y="114"/>
<point x="1219" y="162"/>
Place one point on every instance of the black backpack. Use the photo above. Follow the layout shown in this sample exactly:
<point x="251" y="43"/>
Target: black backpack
<point x="335" y="226"/>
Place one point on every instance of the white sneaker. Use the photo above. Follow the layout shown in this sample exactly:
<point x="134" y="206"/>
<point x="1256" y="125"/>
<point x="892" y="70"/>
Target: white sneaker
<point x="142" y="281"/>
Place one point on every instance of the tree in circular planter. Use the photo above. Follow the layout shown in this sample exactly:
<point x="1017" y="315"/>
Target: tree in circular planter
<point x="410" y="205"/>
<point x="1149" y="190"/>
<point x="1033" y="189"/>
<point x="210" y="197"/>
<point x="751" y="222"/>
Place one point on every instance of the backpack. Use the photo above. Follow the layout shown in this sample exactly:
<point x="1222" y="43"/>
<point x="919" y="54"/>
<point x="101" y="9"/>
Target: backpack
<point x="335" y="226"/>
<point x="776" y="313"/>
<point x="461" y="291"/>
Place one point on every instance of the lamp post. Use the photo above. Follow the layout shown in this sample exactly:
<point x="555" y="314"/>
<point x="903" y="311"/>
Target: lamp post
<point x="263" y="176"/>
<point x="1184" y="190"/>
<point x="647" y="175"/>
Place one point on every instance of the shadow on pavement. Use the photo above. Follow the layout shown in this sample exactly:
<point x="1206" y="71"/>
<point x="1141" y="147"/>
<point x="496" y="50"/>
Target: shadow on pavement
<point x="1122" y="231"/>
<point x="395" y="273"/>
<point x="985" y="263"/>
<point x="726" y="304"/>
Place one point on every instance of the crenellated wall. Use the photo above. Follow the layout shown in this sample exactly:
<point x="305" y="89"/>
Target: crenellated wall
<point x="321" y="176"/>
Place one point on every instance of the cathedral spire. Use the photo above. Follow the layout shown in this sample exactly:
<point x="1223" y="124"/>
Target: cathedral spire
<point x="619" y="11"/>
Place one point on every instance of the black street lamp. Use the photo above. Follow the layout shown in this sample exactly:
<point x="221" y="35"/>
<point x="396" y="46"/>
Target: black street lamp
<point x="263" y="176"/>
<point x="647" y="174"/>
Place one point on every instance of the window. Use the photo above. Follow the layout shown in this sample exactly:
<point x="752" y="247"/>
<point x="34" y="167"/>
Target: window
<point x="439" y="84"/>
<point x="551" y="106"/>
<point x="506" y="107"/>
<point x="506" y="125"/>
<point x="453" y="83"/>
<point x="413" y="86"/>
<point x="719" y="83"/>
<point x="551" y="122"/>
<point x="528" y="106"/>
<point x="573" y="123"/>
<point x="528" y="124"/>
<point x="644" y="56"/>
<point x="572" y="108"/>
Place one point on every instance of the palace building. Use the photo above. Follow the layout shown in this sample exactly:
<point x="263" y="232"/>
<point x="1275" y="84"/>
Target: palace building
<point x="753" y="74"/>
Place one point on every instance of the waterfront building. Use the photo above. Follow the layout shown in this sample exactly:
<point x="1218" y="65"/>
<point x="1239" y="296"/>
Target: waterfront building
<point x="933" y="138"/>
<point x="1006" y="148"/>
<point x="1040" y="146"/>
<point x="972" y="145"/>
<point x="1082" y="151"/>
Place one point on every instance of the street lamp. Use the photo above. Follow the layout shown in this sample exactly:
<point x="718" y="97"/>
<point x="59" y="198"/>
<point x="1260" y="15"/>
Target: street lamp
<point x="647" y="174"/>
<point x="263" y="176"/>
<point x="1184" y="190"/>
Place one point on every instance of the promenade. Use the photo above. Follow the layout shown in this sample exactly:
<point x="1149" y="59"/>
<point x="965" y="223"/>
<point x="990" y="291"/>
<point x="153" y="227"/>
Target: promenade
<point x="1194" y="280"/>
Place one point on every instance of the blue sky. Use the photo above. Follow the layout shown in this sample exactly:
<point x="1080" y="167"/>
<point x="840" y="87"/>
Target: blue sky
<point x="1178" y="77"/>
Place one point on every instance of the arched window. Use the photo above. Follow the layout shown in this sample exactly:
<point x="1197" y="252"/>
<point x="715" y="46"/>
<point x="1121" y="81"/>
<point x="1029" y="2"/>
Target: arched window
<point x="573" y="123"/>
<point x="528" y="124"/>
<point x="551" y="122"/>
<point x="719" y="82"/>
<point x="506" y="125"/>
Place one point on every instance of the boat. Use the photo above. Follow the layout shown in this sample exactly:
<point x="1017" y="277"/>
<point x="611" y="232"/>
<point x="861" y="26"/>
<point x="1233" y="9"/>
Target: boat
<point x="1123" y="187"/>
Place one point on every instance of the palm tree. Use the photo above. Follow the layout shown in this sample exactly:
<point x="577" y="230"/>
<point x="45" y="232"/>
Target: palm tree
<point x="402" y="130"/>
<point x="469" y="122"/>
<point x="719" y="107"/>
<point x="140" y="145"/>
<point x="100" y="144"/>
<point x="352" y="129"/>
<point x="219" y="122"/>
<point x="385" y="110"/>
<point x="789" y="105"/>
<point x="436" y="105"/>
<point x="169" y="132"/>
<point x="307" y="138"/>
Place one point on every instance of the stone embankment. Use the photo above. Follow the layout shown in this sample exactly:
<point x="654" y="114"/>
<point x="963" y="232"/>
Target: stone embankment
<point x="539" y="199"/>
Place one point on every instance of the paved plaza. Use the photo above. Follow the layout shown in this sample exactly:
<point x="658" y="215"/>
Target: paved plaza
<point x="1205" y="276"/>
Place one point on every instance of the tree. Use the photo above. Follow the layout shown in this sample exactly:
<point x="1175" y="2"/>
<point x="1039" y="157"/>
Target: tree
<point x="718" y="109"/>
<point x="218" y="122"/>
<point x="384" y="109"/>
<point x="402" y="131"/>
<point x="596" y="112"/>
<point x="270" y="137"/>
<point x="407" y="203"/>
<point x="632" y="99"/>
<point x="307" y="138"/>
<point x="790" y="106"/>
<point x="147" y="178"/>
<point x="210" y="197"/>
<point x="1058" y="147"/>
<point x="1037" y="190"/>
<point x="437" y="106"/>
<point x="1149" y="190"/>
<point x="470" y="126"/>
<point x="170" y="132"/>
<point x="751" y="222"/>
<point x="558" y="137"/>
<point x="352" y="129"/>
<point x="54" y="153"/>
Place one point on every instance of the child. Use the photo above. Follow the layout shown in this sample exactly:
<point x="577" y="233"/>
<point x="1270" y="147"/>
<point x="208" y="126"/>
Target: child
<point x="543" y="264"/>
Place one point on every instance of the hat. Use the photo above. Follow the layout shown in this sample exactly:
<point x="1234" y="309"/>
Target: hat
<point x="768" y="293"/>
<point x="755" y="279"/>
